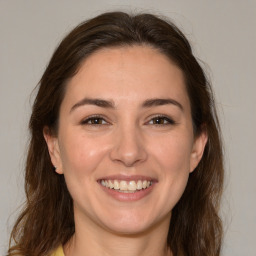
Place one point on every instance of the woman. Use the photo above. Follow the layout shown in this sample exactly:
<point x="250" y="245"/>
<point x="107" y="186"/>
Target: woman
<point x="125" y="156"/>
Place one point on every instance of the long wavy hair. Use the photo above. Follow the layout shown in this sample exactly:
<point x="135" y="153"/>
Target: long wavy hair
<point x="47" y="219"/>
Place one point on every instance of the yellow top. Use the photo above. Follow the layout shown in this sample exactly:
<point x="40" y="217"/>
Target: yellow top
<point x="58" y="252"/>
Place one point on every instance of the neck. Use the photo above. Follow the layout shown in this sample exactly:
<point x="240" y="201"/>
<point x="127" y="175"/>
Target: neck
<point x="95" y="240"/>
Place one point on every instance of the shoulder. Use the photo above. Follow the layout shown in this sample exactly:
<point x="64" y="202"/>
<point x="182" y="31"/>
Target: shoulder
<point x="58" y="252"/>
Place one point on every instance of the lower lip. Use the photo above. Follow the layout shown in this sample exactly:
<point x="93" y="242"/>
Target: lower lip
<point x="124" y="197"/>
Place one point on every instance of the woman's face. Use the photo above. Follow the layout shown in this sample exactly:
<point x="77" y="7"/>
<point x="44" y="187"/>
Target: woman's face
<point x="125" y="142"/>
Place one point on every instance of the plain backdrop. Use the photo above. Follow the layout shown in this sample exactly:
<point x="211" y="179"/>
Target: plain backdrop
<point x="222" y="34"/>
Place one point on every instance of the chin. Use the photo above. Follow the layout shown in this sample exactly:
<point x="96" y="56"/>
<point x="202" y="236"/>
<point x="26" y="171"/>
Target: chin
<point x="125" y="229"/>
<point x="131" y="224"/>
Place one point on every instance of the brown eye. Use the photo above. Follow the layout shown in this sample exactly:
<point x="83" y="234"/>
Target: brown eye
<point x="94" y="121"/>
<point x="161" y="120"/>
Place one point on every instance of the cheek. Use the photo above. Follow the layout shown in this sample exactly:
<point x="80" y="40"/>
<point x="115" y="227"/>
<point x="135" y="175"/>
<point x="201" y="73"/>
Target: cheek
<point x="170" y="155"/>
<point x="173" y="153"/>
<point x="81" y="155"/>
<point x="173" y="156"/>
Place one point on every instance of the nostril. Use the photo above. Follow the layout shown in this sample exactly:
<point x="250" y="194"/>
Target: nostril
<point x="128" y="151"/>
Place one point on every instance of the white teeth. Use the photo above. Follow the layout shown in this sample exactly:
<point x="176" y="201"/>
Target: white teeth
<point x="110" y="184"/>
<point x="144" y="184"/>
<point x="123" y="185"/>
<point x="132" y="186"/>
<point x="116" y="184"/>
<point x="139" y="185"/>
<point x="126" y="187"/>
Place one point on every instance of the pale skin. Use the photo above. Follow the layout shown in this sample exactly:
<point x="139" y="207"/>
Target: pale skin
<point x="140" y="125"/>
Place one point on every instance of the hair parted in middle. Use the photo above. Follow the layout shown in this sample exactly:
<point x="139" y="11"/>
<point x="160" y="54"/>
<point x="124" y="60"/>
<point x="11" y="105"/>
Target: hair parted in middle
<point x="48" y="219"/>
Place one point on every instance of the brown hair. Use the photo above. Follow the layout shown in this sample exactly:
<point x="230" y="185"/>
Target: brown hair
<point x="47" y="219"/>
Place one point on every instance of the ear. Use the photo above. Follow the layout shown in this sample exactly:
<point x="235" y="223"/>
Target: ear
<point x="54" y="150"/>
<point x="198" y="150"/>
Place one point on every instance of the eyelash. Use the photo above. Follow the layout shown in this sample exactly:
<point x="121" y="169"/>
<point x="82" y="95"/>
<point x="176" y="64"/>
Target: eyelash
<point x="93" y="118"/>
<point x="166" y="120"/>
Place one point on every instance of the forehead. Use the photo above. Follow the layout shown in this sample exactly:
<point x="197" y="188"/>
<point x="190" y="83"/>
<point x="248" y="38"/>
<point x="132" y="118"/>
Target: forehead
<point x="131" y="73"/>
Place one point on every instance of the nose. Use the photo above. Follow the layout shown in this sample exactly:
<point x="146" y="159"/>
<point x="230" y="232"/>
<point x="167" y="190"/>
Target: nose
<point x="128" y="148"/>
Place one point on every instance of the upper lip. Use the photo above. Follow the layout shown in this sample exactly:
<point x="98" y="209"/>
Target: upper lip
<point x="128" y="178"/>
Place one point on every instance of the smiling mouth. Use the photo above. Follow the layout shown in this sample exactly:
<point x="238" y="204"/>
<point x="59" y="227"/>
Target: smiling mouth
<point x="123" y="186"/>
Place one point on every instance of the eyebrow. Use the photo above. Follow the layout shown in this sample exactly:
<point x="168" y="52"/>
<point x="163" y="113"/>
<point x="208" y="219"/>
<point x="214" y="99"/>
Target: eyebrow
<point x="96" y="102"/>
<point x="109" y="104"/>
<point x="159" y="102"/>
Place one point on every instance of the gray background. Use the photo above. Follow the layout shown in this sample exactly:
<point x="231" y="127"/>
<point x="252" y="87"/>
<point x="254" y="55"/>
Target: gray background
<point x="223" y="35"/>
